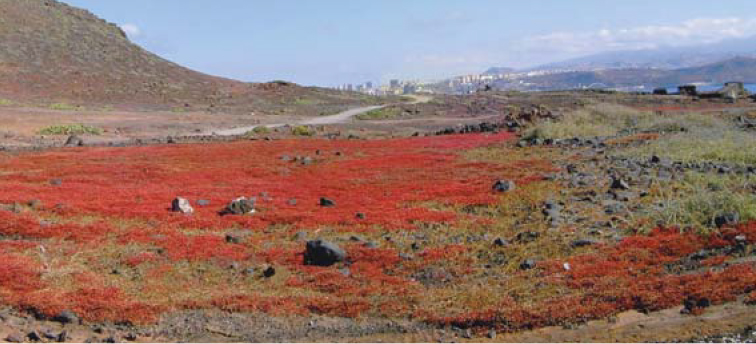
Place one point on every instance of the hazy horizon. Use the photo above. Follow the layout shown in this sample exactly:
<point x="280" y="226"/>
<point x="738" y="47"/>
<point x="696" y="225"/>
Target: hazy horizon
<point x="337" y="42"/>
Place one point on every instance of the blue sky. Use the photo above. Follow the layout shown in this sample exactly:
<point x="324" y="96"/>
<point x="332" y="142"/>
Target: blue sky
<point x="330" y="42"/>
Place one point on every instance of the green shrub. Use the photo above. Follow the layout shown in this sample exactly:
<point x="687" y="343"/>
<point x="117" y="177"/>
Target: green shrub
<point x="302" y="130"/>
<point x="5" y="102"/>
<point x="258" y="131"/>
<point x="64" y="107"/>
<point x="70" y="129"/>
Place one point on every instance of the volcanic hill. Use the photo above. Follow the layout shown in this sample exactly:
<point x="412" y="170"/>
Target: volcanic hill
<point x="52" y="52"/>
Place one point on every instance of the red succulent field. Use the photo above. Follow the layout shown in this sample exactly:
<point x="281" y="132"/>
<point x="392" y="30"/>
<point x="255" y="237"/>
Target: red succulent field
<point x="91" y="230"/>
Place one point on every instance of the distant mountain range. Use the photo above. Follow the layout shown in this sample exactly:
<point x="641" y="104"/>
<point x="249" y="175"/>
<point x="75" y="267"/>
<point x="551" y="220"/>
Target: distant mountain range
<point x="735" y="69"/>
<point x="728" y="60"/>
<point x="662" y="58"/>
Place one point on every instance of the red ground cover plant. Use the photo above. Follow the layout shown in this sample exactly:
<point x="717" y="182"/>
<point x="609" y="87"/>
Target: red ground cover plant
<point x="106" y="245"/>
<point x="120" y="197"/>
<point x="634" y="274"/>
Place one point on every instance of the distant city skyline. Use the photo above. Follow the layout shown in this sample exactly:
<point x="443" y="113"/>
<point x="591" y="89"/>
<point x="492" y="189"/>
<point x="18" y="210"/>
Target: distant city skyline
<point x="341" y="42"/>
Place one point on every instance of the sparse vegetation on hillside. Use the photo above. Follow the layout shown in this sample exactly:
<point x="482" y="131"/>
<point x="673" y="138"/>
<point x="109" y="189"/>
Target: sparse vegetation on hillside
<point x="70" y="129"/>
<point x="64" y="107"/>
<point x="391" y="112"/>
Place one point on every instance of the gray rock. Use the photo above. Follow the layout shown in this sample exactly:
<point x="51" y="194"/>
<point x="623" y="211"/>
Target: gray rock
<point x="584" y="242"/>
<point x="62" y="337"/>
<point x="504" y="186"/>
<point x="33" y="336"/>
<point x="501" y="242"/>
<point x="300" y="236"/>
<point x="526" y="237"/>
<point x="361" y="216"/>
<point x="240" y="206"/>
<point x="56" y="182"/>
<point x="14" y="338"/>
<point x="727" y="219"/>
<point x="233" y="239"/>
<point x="613" y="207"/>
<point x="74" y="141"/>
<point x="181" y="205"/>
<point x="67" y="317"/>
<point x="528" y="264"/>
<point x="203" y="203"/>
<point x="325" y="202"/>
<point x="268" y="271"/>
<point x="323" y="253"/>
<point x="292" y="202"/>
<point x="620" y="184"/>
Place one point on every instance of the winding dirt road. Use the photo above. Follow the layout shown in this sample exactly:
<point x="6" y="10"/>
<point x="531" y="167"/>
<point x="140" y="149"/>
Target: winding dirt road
<point x="342" y="117"/>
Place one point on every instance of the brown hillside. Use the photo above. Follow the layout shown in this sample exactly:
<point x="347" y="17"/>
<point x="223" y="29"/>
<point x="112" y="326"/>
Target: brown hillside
<point x="50" y="51"/>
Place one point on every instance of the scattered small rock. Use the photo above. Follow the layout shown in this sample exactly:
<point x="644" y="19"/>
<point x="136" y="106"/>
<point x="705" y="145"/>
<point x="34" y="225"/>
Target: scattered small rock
<point x="240" y="206"/>
<point x="67" y="317"/>
<point x="528" y="264"/>
<point x="74" y="141"/>
<point x="504" y="186"/>
<point x="327" y="203"/>
<point x="181" y="205"/>
<point x="727" y="219"/>
<point x="14" y="338"/>
<point x="300" y="236"/>
<point x="268" y="271"/>
<point x="584" y="242"/>
<point x="233" y="239"/>
<point x="620" y="184"/>
<point x="203" y="203"/>
<point x="33" y="336"/>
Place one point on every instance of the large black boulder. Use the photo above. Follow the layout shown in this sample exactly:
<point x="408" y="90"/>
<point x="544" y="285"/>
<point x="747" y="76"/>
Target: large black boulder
<point x="323" y="253"/>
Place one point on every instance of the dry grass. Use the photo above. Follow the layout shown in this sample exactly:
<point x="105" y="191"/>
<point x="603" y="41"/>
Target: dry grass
<point x="700" y="198"/>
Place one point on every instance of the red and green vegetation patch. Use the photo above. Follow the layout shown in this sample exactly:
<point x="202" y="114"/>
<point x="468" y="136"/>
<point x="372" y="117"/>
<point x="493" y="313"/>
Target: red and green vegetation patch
<point x="106" y="245"/>
<point x="633" y="275"/>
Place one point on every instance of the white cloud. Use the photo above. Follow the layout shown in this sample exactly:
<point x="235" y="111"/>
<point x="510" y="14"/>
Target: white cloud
<point x="131" y="30"/>
<point x="691" y="32"/>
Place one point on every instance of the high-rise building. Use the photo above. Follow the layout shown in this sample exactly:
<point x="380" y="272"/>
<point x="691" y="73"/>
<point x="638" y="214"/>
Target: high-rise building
<point x="394" y="83"/>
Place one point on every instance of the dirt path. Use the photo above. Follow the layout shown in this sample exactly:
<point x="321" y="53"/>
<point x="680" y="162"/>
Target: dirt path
<point x="342" y="117"/>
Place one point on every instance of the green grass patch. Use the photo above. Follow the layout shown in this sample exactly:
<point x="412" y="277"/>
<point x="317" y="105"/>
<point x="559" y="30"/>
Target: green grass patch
<point x="302" y="130"/>
<point x="610" y="119"/>
<point x="261" y="130"/>
<point x="305" y="101"/>
<point x="703" y="197"/>
<point x="64" y="107"/>
<point x="6" y="102"/>
<point x="70" y="129"/>
<point x="381" y="114"/>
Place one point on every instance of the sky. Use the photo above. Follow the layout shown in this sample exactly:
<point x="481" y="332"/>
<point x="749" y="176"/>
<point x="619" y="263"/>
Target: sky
<point x="333" y="42"/>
